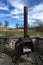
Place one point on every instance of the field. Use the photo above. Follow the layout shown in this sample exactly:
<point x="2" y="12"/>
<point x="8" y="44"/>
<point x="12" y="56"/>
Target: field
<point x="20" y="32"/>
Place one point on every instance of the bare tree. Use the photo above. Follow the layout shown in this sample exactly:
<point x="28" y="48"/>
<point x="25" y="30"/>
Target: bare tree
<point x="0" y="24"/>
<point x="17" y="25"/>
<point x="6" y="23"/>
<point x="40" y="27"/>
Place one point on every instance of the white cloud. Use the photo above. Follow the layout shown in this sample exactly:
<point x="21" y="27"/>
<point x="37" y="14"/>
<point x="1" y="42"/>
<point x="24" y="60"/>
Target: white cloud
<point x="36" y="12"/>
<point x="18" y="6"/>
<point x="1" y="15"/>
<point x="16" y="17"/>
<point x="5" y="15"/>
<point x="16" y="11"/>
<point x="3" y="6"/>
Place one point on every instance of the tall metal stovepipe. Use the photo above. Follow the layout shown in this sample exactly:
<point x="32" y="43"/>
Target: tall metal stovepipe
<point x="25" y="21"/>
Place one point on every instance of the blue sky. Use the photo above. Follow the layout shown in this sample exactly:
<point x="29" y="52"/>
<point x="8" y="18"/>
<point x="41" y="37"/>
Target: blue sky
<point x="13" y="10"/>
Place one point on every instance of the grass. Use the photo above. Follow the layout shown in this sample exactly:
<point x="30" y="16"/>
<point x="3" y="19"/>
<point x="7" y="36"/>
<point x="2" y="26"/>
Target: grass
<point x="33" y="32"/>
<point x="20" y="32"/>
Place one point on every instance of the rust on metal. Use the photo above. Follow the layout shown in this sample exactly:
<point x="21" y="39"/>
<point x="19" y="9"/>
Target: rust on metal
<point x="25" y="21"/>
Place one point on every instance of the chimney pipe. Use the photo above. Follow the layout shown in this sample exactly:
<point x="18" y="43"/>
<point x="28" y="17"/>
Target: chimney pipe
<point x="25" y="21"/>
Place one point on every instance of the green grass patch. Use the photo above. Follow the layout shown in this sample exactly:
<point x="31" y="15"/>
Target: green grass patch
<point x="20" y="32"/>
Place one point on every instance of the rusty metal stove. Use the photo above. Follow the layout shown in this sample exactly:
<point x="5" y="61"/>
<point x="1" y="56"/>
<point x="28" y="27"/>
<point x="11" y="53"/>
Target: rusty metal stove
<point x="23" y="43"/>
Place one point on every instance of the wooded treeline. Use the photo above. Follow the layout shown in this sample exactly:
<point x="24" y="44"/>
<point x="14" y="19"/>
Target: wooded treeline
<point x="38" y="28"/>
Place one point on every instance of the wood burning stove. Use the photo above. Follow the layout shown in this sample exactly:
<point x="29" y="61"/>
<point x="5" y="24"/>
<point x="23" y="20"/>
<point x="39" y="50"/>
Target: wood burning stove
<point x="25" y="43"/>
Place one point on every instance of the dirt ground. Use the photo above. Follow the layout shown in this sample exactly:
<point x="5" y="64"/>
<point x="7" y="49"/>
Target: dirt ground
<point x="31" y="59"/>
<point x="6" y="60"/>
